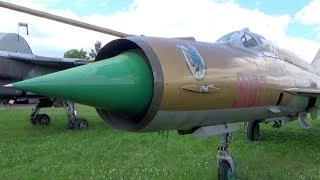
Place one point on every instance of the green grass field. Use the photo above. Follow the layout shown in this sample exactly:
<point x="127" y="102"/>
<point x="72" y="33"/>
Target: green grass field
<point x="52" y="152"/>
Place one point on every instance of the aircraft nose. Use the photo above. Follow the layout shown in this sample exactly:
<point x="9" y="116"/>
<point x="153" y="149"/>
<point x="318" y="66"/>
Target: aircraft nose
<point x="123" y="83"/>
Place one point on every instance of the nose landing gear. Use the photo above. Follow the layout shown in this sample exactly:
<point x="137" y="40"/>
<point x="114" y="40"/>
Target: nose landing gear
<point x="225" y="163"/>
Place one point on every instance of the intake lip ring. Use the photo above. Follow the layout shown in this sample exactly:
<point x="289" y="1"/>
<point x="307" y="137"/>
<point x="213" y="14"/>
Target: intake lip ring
<point x="141" y="120"/>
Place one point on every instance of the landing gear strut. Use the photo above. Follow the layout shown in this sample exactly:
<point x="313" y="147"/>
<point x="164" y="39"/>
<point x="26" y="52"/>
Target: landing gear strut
<point x="42" y="119"/>
<point x="226" y="165"/>
<point x="73" y="121"/>
<point x="253" y="130"/>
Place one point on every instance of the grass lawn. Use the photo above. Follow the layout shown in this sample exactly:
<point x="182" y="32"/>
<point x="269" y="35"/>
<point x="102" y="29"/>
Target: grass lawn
<point x="52" y="152"/>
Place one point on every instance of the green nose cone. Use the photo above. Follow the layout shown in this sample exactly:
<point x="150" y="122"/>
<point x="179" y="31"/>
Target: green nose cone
<point x="123" y="83"/>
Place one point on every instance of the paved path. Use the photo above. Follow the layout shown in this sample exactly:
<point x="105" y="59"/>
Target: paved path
<point x="6" y="106"/>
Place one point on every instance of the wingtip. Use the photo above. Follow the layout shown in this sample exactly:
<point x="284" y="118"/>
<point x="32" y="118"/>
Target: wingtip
<point x="8" y="85"/>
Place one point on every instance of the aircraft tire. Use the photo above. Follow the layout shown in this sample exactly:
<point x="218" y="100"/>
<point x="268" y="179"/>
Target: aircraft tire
<point x="253" y="131"/>
<point x="81" y="123"/>
<point x="43" y="119"/>
<point x="225" y="171"/>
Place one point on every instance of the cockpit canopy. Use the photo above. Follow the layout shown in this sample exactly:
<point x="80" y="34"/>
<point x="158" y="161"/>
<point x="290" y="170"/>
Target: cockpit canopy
<point x="249" y="40"/>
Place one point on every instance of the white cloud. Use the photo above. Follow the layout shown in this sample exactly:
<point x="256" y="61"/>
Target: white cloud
<point x="46" y="35"/>
<point x="310" y="13"/>
<point x="207" y="20"/>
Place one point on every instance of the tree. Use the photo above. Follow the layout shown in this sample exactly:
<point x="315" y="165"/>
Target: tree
<point x="97" y="48"/>
<point x="75" y="53"/>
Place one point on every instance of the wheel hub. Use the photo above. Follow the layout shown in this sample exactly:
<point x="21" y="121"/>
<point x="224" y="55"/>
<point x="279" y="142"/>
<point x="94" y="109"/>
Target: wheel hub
<point x="82" y="124"/>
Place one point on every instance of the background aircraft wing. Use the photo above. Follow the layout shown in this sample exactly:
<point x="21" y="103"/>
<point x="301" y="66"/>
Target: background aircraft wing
<point x="304" y="92"/>
<point x="43" y="60"/>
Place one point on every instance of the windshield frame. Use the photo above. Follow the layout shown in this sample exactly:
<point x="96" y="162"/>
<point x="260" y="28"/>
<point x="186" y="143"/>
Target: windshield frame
<point x="264" y="46"/>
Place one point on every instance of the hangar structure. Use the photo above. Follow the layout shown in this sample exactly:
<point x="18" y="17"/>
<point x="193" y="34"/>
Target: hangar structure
<point x="12" y="42"/>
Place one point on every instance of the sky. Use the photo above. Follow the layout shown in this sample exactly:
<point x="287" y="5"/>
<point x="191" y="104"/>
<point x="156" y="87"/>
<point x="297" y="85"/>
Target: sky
<point x="291" y="24"/>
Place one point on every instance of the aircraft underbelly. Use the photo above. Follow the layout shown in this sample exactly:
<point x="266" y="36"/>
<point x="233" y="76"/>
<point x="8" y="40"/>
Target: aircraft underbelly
<point x="165" y="120"/>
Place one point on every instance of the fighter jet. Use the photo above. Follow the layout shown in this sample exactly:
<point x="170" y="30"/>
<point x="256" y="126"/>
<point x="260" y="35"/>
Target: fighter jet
<point x="146" y="84"/>
<point x="143" y="84"/>
<point x="17" y="66"/>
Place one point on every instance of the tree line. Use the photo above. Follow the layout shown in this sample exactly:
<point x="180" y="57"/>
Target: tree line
<point x="84" y="55"/>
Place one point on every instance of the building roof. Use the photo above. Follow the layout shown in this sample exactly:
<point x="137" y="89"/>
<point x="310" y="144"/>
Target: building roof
<point x="14" y="43"/>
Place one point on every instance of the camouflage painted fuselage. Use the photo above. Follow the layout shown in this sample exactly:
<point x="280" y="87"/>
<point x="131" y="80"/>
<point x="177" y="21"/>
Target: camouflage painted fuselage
<point x="237" y="84"/>
<point x="187" y="84"/>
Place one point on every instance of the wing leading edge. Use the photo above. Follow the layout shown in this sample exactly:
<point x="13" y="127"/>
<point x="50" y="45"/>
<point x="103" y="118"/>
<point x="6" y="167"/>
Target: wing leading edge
<point x="43" y="60"/>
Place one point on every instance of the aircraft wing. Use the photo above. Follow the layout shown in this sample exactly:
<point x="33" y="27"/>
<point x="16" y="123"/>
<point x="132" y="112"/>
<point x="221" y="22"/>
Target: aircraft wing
<point x="304" y="92"/>
<point x="44" y="61"/>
